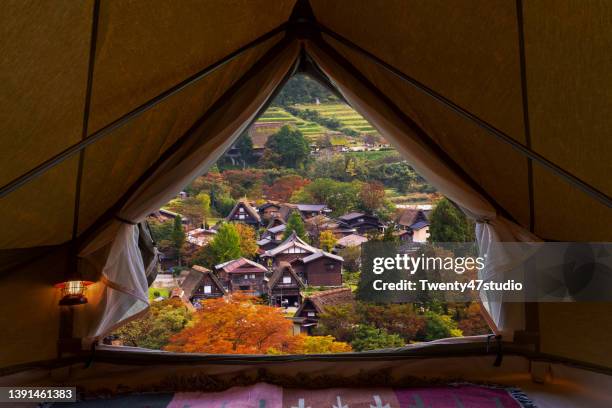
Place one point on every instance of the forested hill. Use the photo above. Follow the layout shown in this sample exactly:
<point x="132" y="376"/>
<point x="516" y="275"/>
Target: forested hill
<point x="304" y="90"/>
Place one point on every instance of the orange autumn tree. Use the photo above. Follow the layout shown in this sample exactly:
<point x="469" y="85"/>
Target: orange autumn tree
<point x="238" y="324"/>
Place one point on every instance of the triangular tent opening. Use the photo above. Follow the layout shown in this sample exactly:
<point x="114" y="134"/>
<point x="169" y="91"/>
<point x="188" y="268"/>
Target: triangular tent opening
<point x="108" y="107"/>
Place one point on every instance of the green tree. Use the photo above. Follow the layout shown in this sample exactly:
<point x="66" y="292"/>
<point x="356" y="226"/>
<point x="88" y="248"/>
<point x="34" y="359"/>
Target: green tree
<point x="245" y="147"/>
<point x="338" y="321"/>
<point x="295" y="224"/>
<point x="225" y="246"/>
<point x="287" y="148"/>
<point x="302" y="89"/>
<point x="178" y="237"/>
<point x="400" y="319"/>
<point x="153" y="331"/>
<point x="161" y="231"/>
<point x="438" y="326"/>
<point x="449" y="224"/>
<point x="341" y="197"/>
<point x="204" y="200"/>
<point x="370" y="338"/>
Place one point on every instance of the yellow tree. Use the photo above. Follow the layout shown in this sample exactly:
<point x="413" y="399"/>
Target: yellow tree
<point x="248" y="243"/>
<point x="327" y="240"/>
<point x="322" y="345"/>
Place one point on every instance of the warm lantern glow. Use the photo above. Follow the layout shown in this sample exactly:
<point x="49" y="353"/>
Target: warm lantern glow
<point x="73" y="292"/>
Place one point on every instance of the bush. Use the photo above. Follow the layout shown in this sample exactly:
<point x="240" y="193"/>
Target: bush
<point x="440" y="327"/>
<point x="370" y="338"/>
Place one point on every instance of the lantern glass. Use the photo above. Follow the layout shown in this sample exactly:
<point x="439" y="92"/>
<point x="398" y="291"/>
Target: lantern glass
<point x="73" y="292"/>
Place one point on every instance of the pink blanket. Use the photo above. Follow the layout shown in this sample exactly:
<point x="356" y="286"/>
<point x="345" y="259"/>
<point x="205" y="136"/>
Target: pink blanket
<point x="270" y="396"/>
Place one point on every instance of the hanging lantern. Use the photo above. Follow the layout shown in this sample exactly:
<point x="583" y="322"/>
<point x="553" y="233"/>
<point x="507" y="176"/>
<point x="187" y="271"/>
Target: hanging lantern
<point x="73" y="292"/>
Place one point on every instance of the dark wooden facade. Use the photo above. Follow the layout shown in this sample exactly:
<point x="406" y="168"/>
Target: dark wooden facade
<point x="201" y="283"/>
<point x="362" y="223"/>
<point x="307" y="315"/>
<point x="244" y="213"/>
<point x="284" y="285"/>
<point x="314" y="266"/>
<point x="243" y="275"/>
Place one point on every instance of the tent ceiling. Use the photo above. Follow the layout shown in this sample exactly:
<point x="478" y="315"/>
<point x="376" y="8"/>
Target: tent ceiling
<point x="470" y="55"/>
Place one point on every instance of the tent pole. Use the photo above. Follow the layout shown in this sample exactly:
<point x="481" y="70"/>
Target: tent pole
<point x="564" y="174"/>
<point x="532" y="312"/>
<point x="106" y="130"/>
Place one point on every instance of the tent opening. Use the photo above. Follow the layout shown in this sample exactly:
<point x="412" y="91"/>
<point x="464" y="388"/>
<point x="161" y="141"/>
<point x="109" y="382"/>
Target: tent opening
<point x="262" y="252"/>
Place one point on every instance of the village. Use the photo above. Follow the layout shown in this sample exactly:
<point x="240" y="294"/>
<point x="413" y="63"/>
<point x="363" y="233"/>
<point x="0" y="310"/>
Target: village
<point x="286" y="267"/>
<point x="277" y="224"/>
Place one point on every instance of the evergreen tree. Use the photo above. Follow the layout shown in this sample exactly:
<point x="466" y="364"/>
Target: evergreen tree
<point x="287" y="148"/>
<point x="178" y="236"/>
<point x="449" y="224"/>
<point x="295" y="223"/>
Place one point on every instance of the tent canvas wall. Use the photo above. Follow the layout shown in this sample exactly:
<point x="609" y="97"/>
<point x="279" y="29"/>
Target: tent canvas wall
<point x="109" y="108"/>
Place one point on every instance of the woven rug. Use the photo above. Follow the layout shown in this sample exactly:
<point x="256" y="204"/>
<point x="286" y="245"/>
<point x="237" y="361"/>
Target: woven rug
<point x="270" y="396"/>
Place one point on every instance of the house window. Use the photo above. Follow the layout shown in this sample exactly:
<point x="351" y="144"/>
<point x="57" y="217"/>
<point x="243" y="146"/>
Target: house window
<point x="241" y="210"/>
<point x="311" y="314"/>
<point x="286" y="279"/>
<point x="252" y="276"/>
<point x="241" y="216"/>
<point x="330" y="266"/>
<point x="207" y="289"/>
<point x="360" y="220"/>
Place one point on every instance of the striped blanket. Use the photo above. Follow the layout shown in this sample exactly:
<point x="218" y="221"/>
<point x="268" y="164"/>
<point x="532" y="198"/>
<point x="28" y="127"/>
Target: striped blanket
<point x="270" y="396"/>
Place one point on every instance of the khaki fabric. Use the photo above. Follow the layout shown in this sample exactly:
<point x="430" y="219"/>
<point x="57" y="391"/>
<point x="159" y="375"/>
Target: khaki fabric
<point x="588" y="336"/>
<point x="44" y="52"/>
<point x="29" y="313"/>
<point x="468" y="52"/>
<point x="40" y="212"/>
<point x="146" y="46"/>
<point x="568" y="48"/>
<point x="114" y="163"/>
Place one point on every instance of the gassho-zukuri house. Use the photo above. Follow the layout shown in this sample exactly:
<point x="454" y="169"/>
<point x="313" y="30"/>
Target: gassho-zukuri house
<point x="307" y="315"/>
<point x="315" y="266"/>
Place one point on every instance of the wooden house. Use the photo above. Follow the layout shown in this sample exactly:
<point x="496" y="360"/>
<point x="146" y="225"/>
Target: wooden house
<point x="200" y="237"/>
<point x="313" y="265"/>
<point x="284" y="285"/>
<point x="242" y="275"/>
<point x="243" y="212"/>
<point x="319" y="223"/>
<point x="269" y="210"/>
<point x="312" y="210"/>
<point x="307" y="315"/>
<point x="415" y="222"/>
<point x="352" y="240"/>
<point x="363" y="223"/>
<point x="201" y="283"/>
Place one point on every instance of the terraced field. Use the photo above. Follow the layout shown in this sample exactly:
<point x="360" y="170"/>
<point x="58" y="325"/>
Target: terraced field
<point x="314" y="131"/>
<point x="344" y="113"/>
<point x="311" y="130"/>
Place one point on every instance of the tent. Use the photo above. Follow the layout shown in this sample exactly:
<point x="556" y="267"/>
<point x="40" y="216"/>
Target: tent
<point x="109" y="108"/>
